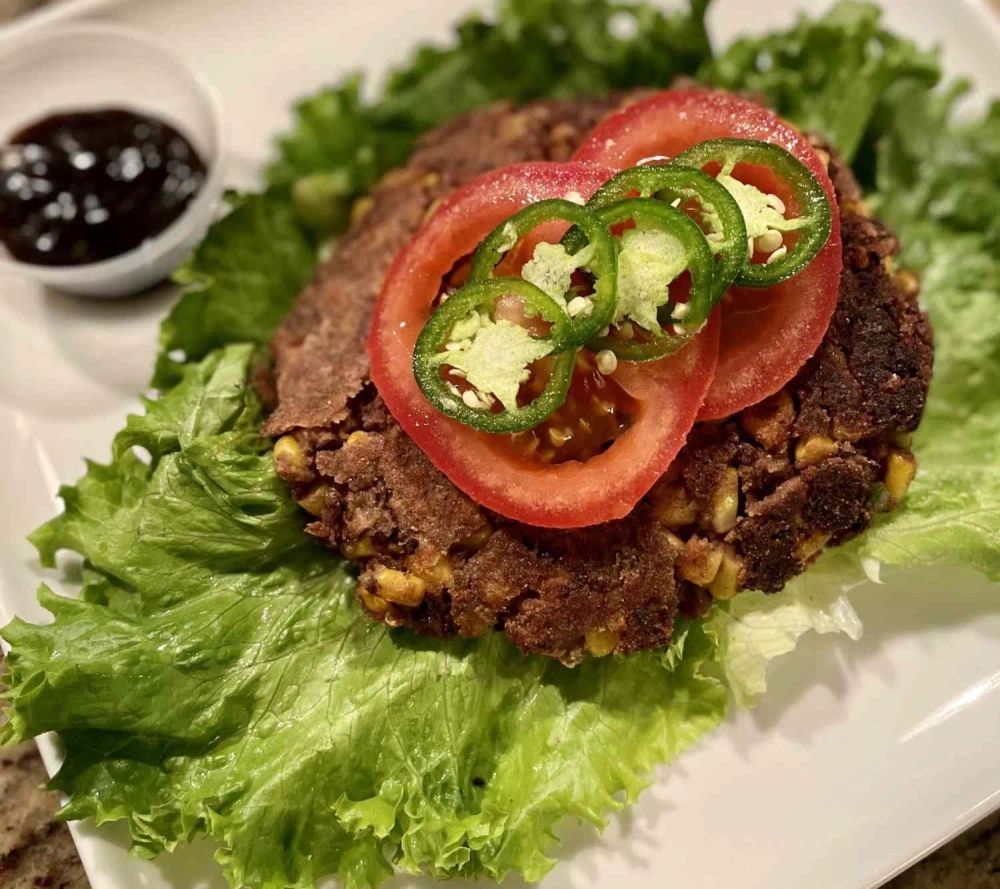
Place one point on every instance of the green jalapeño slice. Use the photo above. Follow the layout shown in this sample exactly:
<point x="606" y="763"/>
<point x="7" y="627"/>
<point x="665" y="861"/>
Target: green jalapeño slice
<point x="588" y="304"/>
<point x="663" y="243"/>
<point x="789" y="241"/>
<point x="701" y="196"/>
<point x="483" y="343"/>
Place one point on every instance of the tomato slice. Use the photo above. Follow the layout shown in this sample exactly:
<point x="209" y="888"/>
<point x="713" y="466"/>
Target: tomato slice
<point x="660" y="399"/>
<point x="768" y="334"/>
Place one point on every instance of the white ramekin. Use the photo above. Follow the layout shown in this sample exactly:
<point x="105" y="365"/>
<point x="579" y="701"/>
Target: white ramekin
<point x="93" y="66"/>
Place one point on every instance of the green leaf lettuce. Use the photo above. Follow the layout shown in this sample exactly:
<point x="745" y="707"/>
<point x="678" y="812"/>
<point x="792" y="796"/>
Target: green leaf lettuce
<point x="936" y="179"/>
<point x="340" y="144"/>
<point x="216" y="676"/>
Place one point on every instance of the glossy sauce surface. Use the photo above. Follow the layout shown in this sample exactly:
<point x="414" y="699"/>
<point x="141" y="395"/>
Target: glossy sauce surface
<point x="89" y="185"/>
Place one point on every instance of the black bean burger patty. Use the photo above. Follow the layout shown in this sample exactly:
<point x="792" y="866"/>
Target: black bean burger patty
<point x="749" y="503"/>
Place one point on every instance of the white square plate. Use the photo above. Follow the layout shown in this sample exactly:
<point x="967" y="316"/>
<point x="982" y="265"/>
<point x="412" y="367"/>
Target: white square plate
<point x="862" y="756"/>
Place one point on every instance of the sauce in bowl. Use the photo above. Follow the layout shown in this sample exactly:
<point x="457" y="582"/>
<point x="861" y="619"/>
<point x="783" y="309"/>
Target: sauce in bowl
<point x="85" y="186"/>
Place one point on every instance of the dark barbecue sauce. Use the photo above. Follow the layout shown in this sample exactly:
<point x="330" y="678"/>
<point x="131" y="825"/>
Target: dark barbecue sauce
<point x="89" y="185"/>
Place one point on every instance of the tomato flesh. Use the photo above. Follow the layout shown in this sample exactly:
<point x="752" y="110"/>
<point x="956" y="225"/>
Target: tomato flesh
<point x="596" y="413"/>
<point x="655" y="403"/>
<point x="768" y="334"/>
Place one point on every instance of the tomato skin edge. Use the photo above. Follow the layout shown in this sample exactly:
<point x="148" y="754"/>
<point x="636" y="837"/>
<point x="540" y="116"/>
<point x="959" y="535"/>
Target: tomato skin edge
<point x="442" y="442"/>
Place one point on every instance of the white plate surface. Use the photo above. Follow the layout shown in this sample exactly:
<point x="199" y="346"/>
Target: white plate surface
<point x="862" y="757"/>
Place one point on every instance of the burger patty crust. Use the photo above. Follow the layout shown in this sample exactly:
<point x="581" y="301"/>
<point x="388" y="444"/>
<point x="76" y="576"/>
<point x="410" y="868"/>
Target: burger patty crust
<point x="749" y="502"/>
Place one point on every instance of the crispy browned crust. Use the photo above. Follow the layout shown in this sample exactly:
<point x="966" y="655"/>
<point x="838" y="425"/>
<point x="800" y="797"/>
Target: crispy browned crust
<point x="807" y="463"/>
